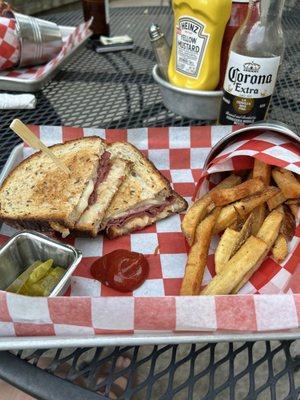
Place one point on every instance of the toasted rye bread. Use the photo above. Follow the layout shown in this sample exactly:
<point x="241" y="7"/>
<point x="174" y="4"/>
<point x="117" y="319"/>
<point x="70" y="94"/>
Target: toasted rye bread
<point x="91" y="219"/>
<point x="138" y="223"/>
<point x="144" y="183"/>
<point x="37" y="192"/>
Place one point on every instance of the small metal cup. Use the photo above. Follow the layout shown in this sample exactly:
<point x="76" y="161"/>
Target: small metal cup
<point x="40" y="40"/>
<point x="26" y="247"/>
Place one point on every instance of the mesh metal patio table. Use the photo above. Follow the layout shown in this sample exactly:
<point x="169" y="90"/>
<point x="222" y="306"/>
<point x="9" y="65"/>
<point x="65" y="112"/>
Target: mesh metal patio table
<point x="116" y="90"/>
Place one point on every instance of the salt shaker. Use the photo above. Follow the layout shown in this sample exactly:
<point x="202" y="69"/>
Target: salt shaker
<point x="161" y="50"/>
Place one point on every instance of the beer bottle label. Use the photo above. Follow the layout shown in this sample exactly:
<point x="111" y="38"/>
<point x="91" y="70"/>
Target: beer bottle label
<point x="191" y="43"/>
<point x="248" y="86"/>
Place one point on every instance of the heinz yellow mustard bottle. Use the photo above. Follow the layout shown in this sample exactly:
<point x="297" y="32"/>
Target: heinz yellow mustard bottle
<point x="198" y="32"/>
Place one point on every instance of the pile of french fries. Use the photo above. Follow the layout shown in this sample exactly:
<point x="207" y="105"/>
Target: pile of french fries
<point x="256" y="211"/>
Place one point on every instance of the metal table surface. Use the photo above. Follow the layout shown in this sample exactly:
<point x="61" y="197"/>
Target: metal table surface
<point x="117" y="91"/>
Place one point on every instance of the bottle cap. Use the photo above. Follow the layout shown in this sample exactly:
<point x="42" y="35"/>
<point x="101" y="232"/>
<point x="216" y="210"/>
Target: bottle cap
<point x="154" y="32"/>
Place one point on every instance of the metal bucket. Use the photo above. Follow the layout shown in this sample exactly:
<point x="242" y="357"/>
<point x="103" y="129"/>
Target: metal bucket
<point x="270" y="125"/>
<point x="40" y="40"/>
<point x="195" y="104"/>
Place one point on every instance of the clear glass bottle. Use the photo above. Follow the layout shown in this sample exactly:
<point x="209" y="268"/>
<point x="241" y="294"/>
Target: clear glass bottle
<point x="255" y="55"/>
<point x="161" y="49"/>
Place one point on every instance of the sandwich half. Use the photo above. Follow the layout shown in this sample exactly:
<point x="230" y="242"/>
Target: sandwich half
<point x="112" y="172"/>
<point x="143" y="198"/>
<point x="38" y="195"/>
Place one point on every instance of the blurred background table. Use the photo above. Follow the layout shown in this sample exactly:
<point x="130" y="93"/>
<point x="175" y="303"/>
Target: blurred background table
<point x="116" y="90"/>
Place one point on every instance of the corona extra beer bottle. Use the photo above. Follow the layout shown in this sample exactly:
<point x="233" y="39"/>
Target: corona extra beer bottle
<point x="254" y="58"/>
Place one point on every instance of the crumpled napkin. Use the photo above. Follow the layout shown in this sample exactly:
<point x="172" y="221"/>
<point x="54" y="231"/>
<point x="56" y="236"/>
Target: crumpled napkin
<point x="17" y="101"/>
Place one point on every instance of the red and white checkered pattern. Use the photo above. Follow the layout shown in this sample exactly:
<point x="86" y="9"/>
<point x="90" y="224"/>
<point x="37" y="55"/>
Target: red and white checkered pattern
<point x="31" y="73"/>
<point x="269" y="147"/>
<point x="94" y="309"/>
<point x="9" y="44"/>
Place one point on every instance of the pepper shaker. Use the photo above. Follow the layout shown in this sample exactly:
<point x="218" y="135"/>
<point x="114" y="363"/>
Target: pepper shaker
<point x="161" y="50"/>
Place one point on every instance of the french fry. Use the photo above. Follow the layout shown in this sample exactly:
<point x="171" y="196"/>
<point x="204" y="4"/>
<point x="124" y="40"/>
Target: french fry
<point x="238" y="223"/>
<point x="235" y="225"/>
<point x="294" y="209"/>
<point x="259" y="214"/>
<point x="243" y="173"/>
<point x="225" y="248"/>
<point x="197" y="257"/>
<point x="248" y="257"/>
<point x="245" y="206"/>
<point x="288" y="225"/>
<point x="262" y="171"/>
<point x="293" y="201"/>
<point x="268" y="233"/>
<point x="280" y="248"/>
<point x="202" y="207"/>
<point x="250" y="174"/>
<point x="287" y="182"/>
<point x="194" y="216"/>
<point x="226" y="218"/>
<point x="293" y="206"/>
<point x="230" y="242"/>
<point x="276" y="200"/>
<point x="270" y="228"/>
<point x="230" y="181"/>
<point x="244" y="233"/>
<point x="222" y="197"/>
<point x="280" y="208"/>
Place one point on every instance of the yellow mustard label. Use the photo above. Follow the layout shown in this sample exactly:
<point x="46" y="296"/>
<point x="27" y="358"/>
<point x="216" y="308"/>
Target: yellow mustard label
<point x="191" y="44"/>
<point x="199" y="27"/>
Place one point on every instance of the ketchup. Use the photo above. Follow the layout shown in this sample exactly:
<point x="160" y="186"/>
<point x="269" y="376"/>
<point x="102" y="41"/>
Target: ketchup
<point x="121" y="270"/>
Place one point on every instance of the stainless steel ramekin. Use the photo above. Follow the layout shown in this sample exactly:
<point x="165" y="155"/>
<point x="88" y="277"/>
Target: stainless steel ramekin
<point x="24" y="248"/>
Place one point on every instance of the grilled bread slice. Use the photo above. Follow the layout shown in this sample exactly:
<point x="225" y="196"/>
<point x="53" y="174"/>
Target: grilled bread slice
<point x="37" y="193"/>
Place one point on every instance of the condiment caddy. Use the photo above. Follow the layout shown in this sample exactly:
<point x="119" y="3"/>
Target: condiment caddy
<point x="194" y="104"/>
<point x="236" y="44"/>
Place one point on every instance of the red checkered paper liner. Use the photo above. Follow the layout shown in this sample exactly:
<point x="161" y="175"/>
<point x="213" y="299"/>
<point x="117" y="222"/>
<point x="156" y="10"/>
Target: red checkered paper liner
<point x="90" y="308"/>
<point x="9" y="43"/>
<point x="32" y="73"/>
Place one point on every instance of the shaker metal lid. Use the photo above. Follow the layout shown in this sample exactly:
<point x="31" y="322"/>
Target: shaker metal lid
<point x="155" y="32"/>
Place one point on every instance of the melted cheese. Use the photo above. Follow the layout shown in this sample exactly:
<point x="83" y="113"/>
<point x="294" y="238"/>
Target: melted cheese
<point x="84" y="199"/>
